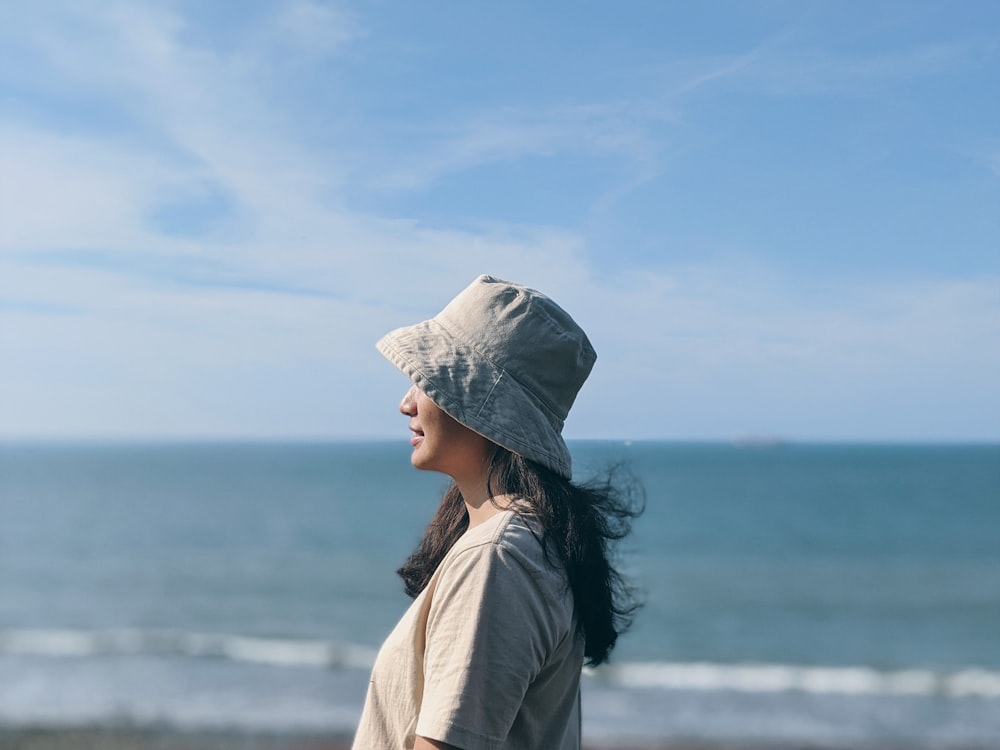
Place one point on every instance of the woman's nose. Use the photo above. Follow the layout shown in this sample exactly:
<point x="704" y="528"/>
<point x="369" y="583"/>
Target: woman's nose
<point x="408" y="405"/>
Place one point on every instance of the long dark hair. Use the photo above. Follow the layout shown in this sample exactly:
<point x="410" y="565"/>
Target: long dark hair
<point x="579" y="523"/>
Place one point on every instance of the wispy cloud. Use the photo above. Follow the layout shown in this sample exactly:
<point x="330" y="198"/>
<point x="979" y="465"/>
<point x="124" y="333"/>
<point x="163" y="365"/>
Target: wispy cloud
<point x="126" y="310"/>
<point x="673" y="348"/>
<point x="318" y="28"/>
<point x="898" y="356"/>
<point x="725" y="69"/>
<point x="620" y="130"/>
<point x="632" y="132"/>
<point x="789" y="65"/>
<point x="32" y="307"/>
<point x="783" y="70"/>
<point x="282" y="219"/>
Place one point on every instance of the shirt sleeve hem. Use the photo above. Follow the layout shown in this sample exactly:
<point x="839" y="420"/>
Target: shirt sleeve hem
<point x="458" y="736"/>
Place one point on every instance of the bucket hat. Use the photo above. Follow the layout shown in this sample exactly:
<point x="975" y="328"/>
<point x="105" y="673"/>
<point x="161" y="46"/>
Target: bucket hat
<point x="505" y="361"/>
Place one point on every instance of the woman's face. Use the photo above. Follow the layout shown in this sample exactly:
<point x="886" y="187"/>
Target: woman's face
<point x="439" y="442"/>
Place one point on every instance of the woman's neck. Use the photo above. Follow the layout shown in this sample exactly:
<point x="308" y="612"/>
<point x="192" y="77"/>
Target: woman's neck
<point x="480" y="505"/>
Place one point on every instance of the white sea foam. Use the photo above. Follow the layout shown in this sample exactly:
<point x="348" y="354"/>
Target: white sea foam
<point x="972" y="682"/>
<point x="48" y="642"/>
<point x="694" y="676"/>
<point x="776" y="678"/>
<point x="272" y="651"/>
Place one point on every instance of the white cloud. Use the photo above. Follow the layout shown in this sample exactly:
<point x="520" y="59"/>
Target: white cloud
<point x="698" y="353"/>
<point x="711" y="351"/>
<point x="621" y="130"/>
<point x="320" y="29"/>
<point x="264" y="323"/>
<point x="717" y="71"/>
<point x="95" y="192"/>
<point x="784" y="70"/>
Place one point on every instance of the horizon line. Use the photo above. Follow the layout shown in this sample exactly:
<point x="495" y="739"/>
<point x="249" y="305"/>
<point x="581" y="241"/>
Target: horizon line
<point x="742" y="441"/>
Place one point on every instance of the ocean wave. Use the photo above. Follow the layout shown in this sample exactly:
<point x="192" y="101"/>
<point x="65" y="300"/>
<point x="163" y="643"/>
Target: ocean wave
<point x="780" y="678"/>
<point x="689" y="676"/>
<point x="239" y="648"/>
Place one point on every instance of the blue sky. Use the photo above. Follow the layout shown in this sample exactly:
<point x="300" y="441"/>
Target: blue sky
<point x="773" y="218"/>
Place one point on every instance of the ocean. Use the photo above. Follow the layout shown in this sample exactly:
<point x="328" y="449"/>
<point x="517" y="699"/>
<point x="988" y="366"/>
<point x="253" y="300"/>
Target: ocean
<point x="838" y="595"/>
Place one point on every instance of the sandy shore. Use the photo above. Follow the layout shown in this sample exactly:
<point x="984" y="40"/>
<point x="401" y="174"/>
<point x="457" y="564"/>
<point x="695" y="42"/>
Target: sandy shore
<point x="91" y="738"/>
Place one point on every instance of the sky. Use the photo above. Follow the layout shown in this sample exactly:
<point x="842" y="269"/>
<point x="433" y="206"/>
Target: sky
<point x="773" y="219"/>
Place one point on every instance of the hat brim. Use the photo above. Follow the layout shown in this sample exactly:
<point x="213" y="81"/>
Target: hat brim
<point x="477" y="393"/>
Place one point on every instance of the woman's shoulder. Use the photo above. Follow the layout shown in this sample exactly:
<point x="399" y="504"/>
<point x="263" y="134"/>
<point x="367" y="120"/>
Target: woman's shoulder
<point x="501" y="563"/>
<point x="505" y="529"/>
<point x="510" y="537"/>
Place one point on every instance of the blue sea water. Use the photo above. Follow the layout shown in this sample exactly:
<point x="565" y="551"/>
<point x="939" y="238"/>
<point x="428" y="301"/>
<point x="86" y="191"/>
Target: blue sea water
<point x="830" y="594"/>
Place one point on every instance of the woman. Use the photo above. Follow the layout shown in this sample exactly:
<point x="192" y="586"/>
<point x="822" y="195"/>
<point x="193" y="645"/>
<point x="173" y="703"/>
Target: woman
<point x="512" y="583"/>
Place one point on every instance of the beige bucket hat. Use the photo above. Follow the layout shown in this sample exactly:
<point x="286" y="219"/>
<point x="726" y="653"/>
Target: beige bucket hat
<point x="505" y="361"/>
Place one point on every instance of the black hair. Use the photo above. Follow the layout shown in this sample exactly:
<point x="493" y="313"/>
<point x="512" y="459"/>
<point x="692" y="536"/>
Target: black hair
<point x="579" y="523"/>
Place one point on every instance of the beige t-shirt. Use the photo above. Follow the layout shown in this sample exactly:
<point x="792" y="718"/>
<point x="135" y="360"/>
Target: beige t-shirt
<point x="486" y="657"/>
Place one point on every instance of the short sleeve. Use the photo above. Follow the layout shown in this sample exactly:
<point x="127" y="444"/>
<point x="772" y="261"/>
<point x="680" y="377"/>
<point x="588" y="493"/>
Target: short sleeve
<point x="489" y="632"/>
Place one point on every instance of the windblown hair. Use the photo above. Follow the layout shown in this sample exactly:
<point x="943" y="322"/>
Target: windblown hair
<point x="579" y="523"/>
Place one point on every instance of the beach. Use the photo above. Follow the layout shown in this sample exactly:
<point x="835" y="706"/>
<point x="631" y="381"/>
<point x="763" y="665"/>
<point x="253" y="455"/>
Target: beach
<point x="95" y="738"/>
<point x="98" y="738"/>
